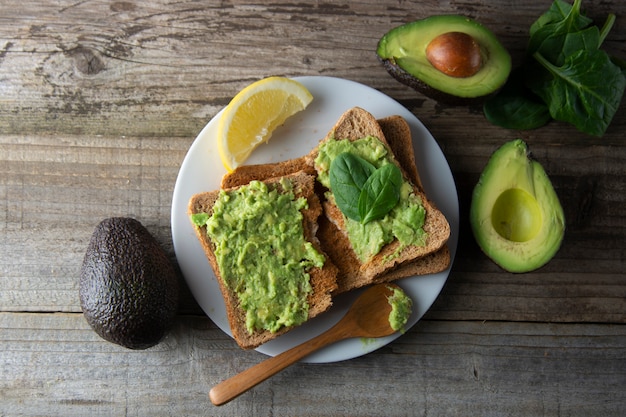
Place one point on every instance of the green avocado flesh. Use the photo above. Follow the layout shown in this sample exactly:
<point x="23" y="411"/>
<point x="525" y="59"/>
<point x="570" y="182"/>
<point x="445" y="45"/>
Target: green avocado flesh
<point x="262" y="253"/>
<point x="401" y="307"/>
<point x="404" y="222"/>
<point x="515" y="214"/>
<point x="403" y="52"/>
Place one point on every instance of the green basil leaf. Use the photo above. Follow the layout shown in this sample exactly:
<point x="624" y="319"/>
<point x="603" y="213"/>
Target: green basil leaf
<point x="380" y="193"/>
<point x="348" y="174"/>
<point x="586" y="91"/>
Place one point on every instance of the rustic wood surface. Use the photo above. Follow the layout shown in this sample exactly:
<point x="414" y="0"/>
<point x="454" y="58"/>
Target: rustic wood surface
<point x="99" y="103"/>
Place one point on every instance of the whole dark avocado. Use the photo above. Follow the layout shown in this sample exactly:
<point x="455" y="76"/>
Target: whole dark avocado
<point x="128" y="286"/>
<point x="450" y="58"/>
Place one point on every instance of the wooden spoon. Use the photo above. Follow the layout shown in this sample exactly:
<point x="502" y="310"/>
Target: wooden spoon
<point x="367" y="317"/>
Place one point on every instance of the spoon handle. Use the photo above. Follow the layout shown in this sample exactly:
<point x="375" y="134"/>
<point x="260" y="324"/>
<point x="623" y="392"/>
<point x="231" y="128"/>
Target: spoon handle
<point x="233" y="387"/>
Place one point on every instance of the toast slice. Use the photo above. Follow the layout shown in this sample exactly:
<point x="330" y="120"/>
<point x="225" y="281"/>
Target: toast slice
<point x="396" y="133"/>
<point x="322" y="280"/>
<point x="389" y="263"/>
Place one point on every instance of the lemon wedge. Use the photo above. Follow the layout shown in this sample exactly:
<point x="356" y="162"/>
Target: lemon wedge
<point x="254" y="113"/>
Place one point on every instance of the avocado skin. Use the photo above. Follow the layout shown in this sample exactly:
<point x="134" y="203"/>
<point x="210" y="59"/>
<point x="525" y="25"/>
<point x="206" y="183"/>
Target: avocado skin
<point x="418" y="85"/>
<point x="128" y="286"/>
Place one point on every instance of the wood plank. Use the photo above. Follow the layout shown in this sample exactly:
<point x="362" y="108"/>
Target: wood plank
<point x="76" y="91"/>
<point x="56" y="188"/>
<point x="101" y="100"/>
<point x="54" y="362"/>
<point x="163" y="68"/>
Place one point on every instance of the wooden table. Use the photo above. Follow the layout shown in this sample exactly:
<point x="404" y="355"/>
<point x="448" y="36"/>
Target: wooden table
<point x="99" y="103"/>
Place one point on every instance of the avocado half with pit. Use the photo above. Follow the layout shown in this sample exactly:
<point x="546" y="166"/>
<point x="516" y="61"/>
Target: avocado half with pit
<point x="450" y="58"/>
<point x="515" y="214"/>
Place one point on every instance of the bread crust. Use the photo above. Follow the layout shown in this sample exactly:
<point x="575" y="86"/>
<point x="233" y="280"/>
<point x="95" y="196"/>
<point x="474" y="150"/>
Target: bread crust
<point x="399" y="138"/>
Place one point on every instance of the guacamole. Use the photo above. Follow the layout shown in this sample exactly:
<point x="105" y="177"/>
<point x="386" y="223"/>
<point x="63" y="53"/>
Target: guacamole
<point x="401" y="306"/>
<point x="404" y="222"/>
<point x="262" y="253"/>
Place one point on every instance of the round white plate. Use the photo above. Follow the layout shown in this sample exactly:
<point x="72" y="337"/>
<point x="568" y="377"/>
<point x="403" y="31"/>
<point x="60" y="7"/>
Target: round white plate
<point x="202" y="170"/>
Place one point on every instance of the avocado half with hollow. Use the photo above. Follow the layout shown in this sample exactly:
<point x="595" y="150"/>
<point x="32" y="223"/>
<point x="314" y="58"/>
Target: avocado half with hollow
<point x="450" y="58"/>
<point x="515" y="214"/>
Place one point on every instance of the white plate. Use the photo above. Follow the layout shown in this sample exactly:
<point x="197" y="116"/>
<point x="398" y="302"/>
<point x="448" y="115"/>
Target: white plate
<point x="202" y="171"/>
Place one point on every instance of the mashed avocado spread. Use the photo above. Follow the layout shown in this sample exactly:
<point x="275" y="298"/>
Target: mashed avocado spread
<point x="404" y="222"/>
<point x="401" y="306"/>
<point x="262" y="253"/>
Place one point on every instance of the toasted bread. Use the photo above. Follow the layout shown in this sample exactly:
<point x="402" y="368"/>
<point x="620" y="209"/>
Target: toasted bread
<point x="322" y="280"/>
<point x="355" y="124"/>
<point x="395" y="132"/>
<point x="398" y="134"/>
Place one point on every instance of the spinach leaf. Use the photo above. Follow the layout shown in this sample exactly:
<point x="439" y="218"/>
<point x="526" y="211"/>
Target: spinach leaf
<point x="557" y="13"/>
<point x="362" y="192"/>
<point x="586" y="91"/>
<point x="548" y="33"/>
<point x="619" y="63"/>
<point x="565" y="73"/>
<point x="584" y="40"/>
<point x="380" y="193"/>
<point x="348" y="174"/>
<point x="515" y="106"/>
<point x="606" y="28"/>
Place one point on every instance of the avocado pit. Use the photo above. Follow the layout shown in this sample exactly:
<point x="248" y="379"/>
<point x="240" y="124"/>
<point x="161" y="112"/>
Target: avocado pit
<point x="450" y="58"/>
<point x="456" y="54"/>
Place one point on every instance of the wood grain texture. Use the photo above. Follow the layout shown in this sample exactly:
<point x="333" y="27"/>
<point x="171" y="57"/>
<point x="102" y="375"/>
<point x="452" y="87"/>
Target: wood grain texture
<point x="99" y="103"/>
<point x="438" y="368"/>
